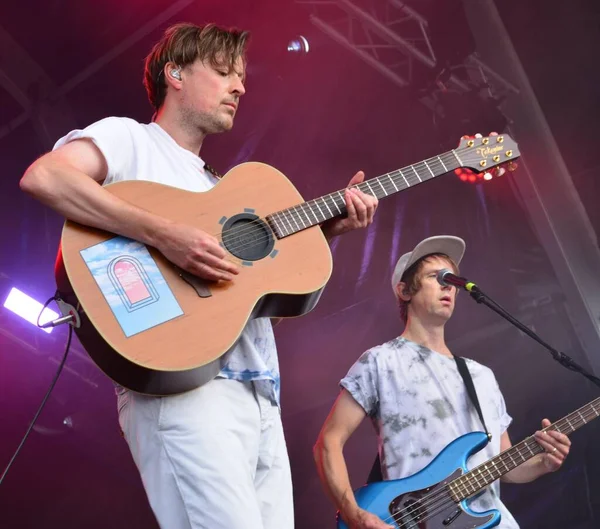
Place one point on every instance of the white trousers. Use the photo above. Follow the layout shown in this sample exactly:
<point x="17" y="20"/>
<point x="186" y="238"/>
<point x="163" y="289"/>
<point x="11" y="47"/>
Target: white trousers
<point x="211" y="458"/>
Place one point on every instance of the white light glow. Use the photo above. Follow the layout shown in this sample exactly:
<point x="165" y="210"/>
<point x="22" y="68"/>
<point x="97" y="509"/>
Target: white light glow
<point x="28" y="308"/>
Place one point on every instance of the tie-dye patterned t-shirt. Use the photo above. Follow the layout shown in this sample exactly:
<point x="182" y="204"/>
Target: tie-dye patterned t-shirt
<point x="418" y="403"/>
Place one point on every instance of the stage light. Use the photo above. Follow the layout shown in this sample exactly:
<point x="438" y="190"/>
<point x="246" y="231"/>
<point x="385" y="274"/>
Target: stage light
<point x="28" y="308"/>
<point x="299" y="45"/>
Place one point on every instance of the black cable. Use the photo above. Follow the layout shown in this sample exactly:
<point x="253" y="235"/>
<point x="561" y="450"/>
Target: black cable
<point x="58" y="372"/>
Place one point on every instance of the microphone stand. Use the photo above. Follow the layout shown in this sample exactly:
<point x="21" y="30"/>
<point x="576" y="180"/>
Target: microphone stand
<point x="563" y="359"/>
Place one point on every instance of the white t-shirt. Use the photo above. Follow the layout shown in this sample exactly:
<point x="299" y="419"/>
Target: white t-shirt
<point x="418" y="403"/>
<point x="136" y="151"/>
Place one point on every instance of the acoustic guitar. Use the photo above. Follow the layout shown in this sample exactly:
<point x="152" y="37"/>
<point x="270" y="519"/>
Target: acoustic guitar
<point x="158" y="330"/>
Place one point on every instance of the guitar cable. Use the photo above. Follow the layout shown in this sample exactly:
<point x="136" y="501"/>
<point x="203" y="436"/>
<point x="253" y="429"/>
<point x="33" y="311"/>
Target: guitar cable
<point x="55" y="379"/>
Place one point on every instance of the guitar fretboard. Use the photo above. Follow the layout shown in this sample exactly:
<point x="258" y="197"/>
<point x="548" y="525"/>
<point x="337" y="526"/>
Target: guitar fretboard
<point x="297" y="218"/>
<point x="472" y="482"/>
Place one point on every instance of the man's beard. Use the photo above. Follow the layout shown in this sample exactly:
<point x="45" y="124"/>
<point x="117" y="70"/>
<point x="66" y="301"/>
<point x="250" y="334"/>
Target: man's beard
<point x="205" y="122"/>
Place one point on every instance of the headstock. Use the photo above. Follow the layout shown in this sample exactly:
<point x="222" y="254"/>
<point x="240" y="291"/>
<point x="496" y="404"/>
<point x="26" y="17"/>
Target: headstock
<point x="484" y="153"/>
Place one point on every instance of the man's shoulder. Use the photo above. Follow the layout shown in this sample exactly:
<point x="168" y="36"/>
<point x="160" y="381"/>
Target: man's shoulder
<point x="119" y="122"/>
<point x="479" y="369"/>
<point x="395" y="348"/>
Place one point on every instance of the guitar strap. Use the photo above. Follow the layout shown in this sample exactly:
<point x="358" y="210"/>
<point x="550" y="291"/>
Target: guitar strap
<point x="468" y="380"/>
<point x="213" y="171"/>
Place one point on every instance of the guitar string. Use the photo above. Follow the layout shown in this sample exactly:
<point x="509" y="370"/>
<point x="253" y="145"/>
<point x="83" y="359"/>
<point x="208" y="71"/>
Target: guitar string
<point x="432" y="500"/>
<point x="448" y="156"/>
<point x="291" y="215"/>
<point x="288" y="214"/>
<point x="443" y="494"/>
<point x="436" y="502"/>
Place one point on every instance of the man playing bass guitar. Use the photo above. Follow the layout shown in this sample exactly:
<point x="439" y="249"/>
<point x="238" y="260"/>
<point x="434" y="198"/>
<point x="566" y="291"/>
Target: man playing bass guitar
<point x="412" y="390"/>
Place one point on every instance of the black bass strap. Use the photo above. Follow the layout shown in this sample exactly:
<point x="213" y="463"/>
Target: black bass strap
<point x="468" y="380"/>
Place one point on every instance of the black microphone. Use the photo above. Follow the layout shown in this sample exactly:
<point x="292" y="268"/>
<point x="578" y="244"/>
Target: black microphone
<point x="447" y="279"/>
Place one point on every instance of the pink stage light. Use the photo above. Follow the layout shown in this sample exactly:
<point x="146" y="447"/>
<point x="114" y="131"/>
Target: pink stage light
<point x="28" y="308"/>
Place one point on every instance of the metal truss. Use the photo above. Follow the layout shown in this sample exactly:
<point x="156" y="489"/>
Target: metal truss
<point x="44" y="102"/>
<point x="392" y="37"/>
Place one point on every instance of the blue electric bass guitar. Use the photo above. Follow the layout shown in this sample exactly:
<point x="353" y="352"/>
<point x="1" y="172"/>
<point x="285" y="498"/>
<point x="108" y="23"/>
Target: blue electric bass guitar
<point x="438" y="496"/>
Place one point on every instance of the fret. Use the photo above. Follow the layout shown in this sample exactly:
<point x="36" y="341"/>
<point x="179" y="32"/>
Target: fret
<point x="300" y="216"/>
<point x="331" y="215"/>
<point x="278" y="228"/>
<point x="291" y="210"/>
<point x="558" y="427"/>
<point x="286" y="217"/>
<point x="511" y="459"/>
<point x="460" y="164"/>
<point x="415" y="171"/>
<point x="495" y="466"/>
<point x="491" y="475"/>
<point x="582" y="418"/>
<point x="291" y="230"/>
<point x="336" y="205"/>
<point x="392" y="181"/>
<point x="310" y="208"/>
<point x="320" y="211"/>
<point x="443" y="165"/>
<point x="530" y="450"/>
<point x="382" y="188"/>
<point x="342" y="198"/>
<point x="402" y="175"/>
<point x="306" y="207"/>
<point x="569" y="423"/>
<point x="432" y="175"/>
<point x="453" y="494"/>
<point x="370" y="189"/>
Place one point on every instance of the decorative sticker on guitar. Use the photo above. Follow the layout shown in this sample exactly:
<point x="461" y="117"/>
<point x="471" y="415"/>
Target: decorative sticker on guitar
<point x="132" y="284"/>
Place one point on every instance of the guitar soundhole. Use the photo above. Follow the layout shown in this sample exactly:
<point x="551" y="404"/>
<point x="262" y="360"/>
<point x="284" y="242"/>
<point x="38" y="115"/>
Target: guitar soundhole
<point x="247" y="237"/>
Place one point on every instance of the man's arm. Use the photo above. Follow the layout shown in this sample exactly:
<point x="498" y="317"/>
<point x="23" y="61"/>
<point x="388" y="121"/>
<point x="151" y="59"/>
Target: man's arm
<point x="345" y="416"/>
<point x="556" y="446"/>
<point x="68" y="181"/>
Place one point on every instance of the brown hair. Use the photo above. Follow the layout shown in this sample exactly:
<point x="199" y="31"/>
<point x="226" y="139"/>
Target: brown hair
<point x="182" y="44"/>
<point x="412" y="279"/>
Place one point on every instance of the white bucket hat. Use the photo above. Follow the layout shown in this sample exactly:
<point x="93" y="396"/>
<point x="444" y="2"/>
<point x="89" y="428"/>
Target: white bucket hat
<point x="453" y="247"/>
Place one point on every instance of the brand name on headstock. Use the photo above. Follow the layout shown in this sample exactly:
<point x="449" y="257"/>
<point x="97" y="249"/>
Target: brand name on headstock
<point x="484" y="152"/>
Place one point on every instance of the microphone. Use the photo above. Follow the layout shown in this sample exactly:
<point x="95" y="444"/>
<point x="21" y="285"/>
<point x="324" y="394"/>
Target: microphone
<point x="447" y="279"/>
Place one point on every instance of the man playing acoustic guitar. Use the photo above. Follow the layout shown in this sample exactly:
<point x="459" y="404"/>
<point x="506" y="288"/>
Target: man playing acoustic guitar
<point x="214" y="457"/>
<point x="413" y="392"/>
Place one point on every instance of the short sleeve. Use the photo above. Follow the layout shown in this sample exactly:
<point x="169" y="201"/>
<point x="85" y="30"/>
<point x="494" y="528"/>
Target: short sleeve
<point x="361" y="383"/>
<point x="504" y="419"/>
<point x="114" y="139"/>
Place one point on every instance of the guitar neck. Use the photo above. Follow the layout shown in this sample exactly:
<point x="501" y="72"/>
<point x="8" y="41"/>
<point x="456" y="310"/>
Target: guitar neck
<point x="297" y="218"/>
<point x="480" y="477"/>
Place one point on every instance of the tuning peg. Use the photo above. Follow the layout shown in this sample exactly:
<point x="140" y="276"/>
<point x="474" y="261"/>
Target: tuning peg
<point x="512" y="166"/>
<point x="499" y="171"/>
<point x="487" y="176"/>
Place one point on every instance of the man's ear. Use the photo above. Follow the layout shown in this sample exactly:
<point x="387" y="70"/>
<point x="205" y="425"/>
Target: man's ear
<point x="402" y="291"/>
